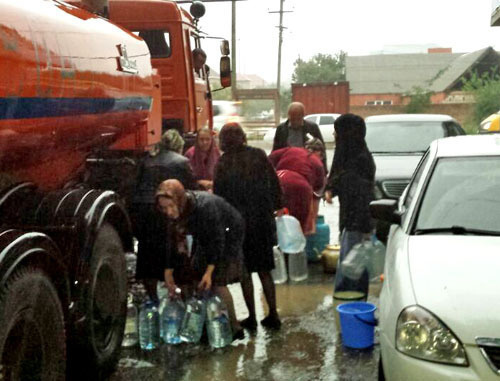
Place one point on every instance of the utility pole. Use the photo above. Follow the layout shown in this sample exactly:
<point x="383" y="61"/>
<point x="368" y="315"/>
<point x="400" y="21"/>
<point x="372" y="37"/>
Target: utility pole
<point x="280" y="43"/>
<point x="233" y="52"/>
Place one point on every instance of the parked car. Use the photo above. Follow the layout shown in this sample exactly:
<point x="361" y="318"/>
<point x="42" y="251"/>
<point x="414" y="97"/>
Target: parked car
<point x="397" y="143"/>
<point x="490" y="124"/>
<point x="324" y="121"/>
<point x="225" y="112"/>
<point x="439" y="311"/>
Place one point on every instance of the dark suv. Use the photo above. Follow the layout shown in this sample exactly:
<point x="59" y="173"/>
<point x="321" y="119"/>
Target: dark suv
<point x="397" y="143"/>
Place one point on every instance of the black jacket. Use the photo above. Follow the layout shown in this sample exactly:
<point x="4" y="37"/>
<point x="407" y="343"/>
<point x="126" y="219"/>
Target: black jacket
<point x="156" y="169"/>
<point x="281" y="136"/>
<point x="354" y="186"/>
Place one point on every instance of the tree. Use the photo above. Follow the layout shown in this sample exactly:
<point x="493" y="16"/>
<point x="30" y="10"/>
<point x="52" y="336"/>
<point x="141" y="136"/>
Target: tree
<point x="486" y="91"/>
<point x="420" y="100"/>
<point x="320" y="68"/>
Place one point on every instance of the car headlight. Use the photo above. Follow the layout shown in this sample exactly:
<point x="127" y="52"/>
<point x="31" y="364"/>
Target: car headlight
<point x="420" y="334"/>
<point x="485" y="127"/>
<point x="377" y="193"/>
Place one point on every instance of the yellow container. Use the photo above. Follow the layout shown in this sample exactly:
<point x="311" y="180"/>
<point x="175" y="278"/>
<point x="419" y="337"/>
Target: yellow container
<point x="330" y="257"/>
<point x="341" y="297"/>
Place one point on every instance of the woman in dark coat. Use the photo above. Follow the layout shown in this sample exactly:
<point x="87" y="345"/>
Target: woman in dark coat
<point x="150" y="227"/>
<point x="215" y="257"/>
<point x="352" y="179"/>
<point x="246" y="179"/>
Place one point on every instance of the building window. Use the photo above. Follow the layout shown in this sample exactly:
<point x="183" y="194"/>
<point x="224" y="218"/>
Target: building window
<point x="378" y="103"/>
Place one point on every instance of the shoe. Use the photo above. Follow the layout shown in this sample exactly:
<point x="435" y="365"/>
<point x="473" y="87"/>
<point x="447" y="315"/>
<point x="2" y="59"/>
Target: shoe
<point x="250" y="324"/>
<point x="272" y="322"/>
<point x="239" y="335"/>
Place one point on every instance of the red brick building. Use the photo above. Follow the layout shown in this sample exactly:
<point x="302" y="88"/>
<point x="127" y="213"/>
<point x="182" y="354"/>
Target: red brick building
<point x="388" y="79"/>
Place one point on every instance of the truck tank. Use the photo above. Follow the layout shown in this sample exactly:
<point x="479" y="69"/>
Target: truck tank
<point x="71" y="83"/>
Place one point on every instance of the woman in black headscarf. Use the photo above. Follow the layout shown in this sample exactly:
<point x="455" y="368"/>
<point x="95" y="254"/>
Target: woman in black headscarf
<point x="352" y="179"/>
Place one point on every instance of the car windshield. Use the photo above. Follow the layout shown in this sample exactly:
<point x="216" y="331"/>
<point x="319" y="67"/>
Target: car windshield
<point x="401" y="137"/>
<point x="462" y="193"/>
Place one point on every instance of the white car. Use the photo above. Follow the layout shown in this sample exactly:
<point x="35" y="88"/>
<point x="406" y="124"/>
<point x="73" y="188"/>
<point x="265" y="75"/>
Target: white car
<point x="225" y="112"/>
<point x="324" y="121"/>
<point x="439" y="304"/>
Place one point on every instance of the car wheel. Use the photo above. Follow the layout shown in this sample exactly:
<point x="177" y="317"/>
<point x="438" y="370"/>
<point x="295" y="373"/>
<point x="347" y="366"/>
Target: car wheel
<point x="106" y="304"/>
<point x="381" y="375"/>
<point x="32" y="336"/>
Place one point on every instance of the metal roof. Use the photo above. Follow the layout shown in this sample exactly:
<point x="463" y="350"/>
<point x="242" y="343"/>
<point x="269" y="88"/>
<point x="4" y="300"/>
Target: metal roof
<point x="400" y="73"/>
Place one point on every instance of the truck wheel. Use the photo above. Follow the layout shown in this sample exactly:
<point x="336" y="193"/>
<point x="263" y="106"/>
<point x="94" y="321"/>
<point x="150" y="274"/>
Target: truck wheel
<point x="106" y="303"/>
<point x="32" y="336"/>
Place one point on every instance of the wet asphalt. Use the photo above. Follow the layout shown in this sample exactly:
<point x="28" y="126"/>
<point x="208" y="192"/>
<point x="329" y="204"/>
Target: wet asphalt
<point x="307" y="347"/>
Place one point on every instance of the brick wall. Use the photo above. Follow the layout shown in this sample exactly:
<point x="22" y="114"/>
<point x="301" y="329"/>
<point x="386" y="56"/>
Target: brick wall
<point x="460" y="111"/>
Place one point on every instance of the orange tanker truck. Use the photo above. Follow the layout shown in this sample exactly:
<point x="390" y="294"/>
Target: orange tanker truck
<point x="80" y="103"/>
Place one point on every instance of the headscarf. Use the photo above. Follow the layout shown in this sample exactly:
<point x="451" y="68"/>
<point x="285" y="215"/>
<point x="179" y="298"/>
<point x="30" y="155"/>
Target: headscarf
<point x="350" y="141"/>
<point x="174" y="190"/>
<point x="203" y="163"/>
<point x="232" y="137"/>
<point x="172" y="141"/>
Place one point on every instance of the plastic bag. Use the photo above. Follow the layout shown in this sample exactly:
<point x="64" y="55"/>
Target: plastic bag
<point x="367" y="255"/>
<point x="290" y="237"/>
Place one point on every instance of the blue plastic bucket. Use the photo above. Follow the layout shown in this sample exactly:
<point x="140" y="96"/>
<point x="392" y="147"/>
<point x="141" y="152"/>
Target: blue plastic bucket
<point x="357" y="324"/>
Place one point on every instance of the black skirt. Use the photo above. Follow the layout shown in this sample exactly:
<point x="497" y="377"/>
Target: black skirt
<point x="150" y="229"/>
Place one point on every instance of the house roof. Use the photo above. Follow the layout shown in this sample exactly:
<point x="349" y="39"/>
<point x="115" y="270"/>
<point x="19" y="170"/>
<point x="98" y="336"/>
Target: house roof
<point x="399" y="73"/>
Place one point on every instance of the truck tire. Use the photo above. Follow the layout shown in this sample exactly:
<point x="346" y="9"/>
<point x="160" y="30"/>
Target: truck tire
<point x="105" y="304"/>
<point x="32" y="336"/>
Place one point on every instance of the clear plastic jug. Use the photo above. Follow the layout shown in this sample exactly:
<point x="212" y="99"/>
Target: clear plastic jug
<point x="218" y="325"/>
<point x="297" y="266"/>
<point x="279" y="273"/>
<point x="149" y="326"/>
<point x="131" y="335"/>
<point x="194" y="319"/>
<point x="171" y="318"/>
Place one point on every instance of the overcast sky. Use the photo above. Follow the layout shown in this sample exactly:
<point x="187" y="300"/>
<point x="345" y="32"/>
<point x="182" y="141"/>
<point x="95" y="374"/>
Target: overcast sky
<point x="358" y="27"/>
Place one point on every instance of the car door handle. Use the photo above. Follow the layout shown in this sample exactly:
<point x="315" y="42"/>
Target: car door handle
<point x="199" y="109"/>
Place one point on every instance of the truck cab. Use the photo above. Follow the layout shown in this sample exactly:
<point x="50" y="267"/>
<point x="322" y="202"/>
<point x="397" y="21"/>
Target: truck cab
<point x="171" y="35"/>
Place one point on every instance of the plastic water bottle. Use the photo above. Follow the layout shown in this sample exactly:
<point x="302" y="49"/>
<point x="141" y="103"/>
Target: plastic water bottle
<point x="171" y="318"/>
<point x="218" y="326"/>
<point x="149" y="326"/>
<point x="297" y="266"/>
<point x="194" y="318"/>
<point x="279" y="272"/>
<point x="131" y="335"/>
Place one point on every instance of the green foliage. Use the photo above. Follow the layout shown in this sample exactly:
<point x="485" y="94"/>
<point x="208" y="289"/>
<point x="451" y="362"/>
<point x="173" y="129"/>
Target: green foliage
<point x="420" y="100"/>
<point x="286" y="99"/>
<point x="486" y="91"/>
<point x="320" y="68"/>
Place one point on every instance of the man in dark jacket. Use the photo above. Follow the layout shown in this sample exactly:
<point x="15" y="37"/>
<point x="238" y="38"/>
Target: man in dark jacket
<point x="293" y="132"/>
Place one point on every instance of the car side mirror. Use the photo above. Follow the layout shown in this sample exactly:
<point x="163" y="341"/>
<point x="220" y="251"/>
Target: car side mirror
<point x="225" y="71"/>
<point x="386" y="210"/>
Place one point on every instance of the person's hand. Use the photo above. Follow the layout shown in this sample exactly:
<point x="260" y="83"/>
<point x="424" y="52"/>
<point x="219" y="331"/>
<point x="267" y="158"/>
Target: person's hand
<point x="328" y="197"/>
<point x="206" y="184"/>
<point x="205" y="283"/>
<point x="169" y="281"/>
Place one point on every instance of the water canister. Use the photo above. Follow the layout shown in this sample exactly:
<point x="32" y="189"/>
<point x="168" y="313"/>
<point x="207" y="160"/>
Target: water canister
<point x="218" y="325"/>
<point x="171" y="318"/>
<point x="131" y="335"/>
<point x="317" y="242"/>
<point x="149" y="326"/>
<point x="194" y="319"/>
<point x="279" y="272"/>
<point x="297" y="266"/>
